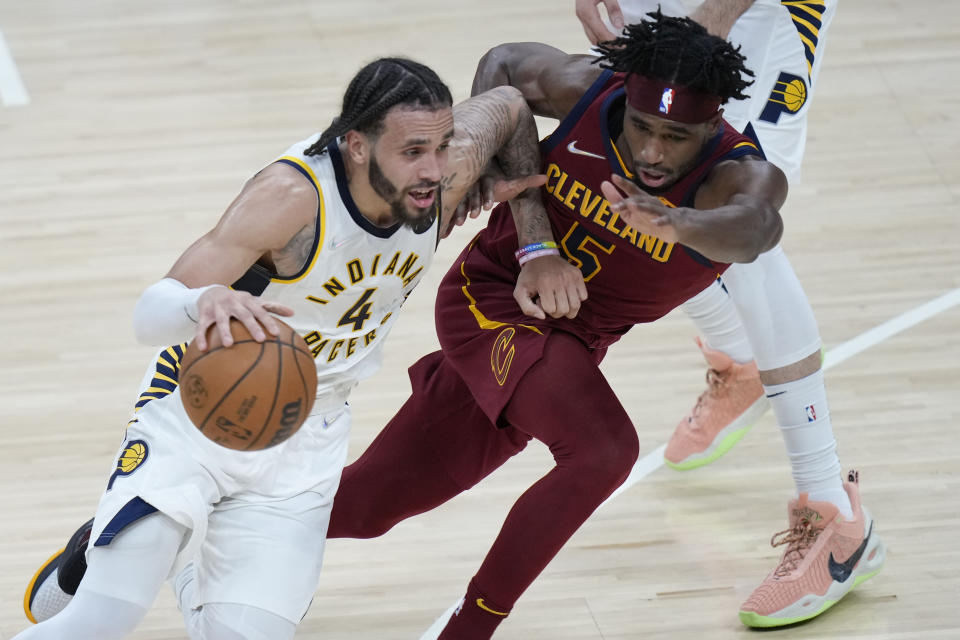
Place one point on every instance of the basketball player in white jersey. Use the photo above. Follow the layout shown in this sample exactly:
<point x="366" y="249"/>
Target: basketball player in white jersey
<point x="334" y="235"/>
<point x="761" y="341"/>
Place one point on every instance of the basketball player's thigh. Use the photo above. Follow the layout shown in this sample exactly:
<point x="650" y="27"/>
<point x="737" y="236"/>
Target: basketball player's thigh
<point x="266" y="555"/>
<point x="566" y="388"/>
<point x="784" y="84"/>
<point x="158" y="469"/>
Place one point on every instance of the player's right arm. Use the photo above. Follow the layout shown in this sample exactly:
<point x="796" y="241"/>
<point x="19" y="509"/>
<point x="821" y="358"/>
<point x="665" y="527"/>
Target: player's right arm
<point x="550" y="80"/>
<point x="264" y="222"/>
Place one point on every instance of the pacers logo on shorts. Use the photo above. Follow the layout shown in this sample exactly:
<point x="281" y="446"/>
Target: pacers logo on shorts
<point x="501" y="357"/>
<point x="788" y="97"/>
<point x="131" y="458"/>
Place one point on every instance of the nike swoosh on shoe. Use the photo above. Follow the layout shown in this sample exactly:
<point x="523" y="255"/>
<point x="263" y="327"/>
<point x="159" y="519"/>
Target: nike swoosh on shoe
<point x="840" y="571"/>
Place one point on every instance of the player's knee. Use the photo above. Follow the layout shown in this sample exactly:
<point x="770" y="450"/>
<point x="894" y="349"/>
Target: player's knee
<point x="619" y="456"/>
<point x="608" y="458"/>
<point x="351" y="519"/>
<point x="150" y="533"/>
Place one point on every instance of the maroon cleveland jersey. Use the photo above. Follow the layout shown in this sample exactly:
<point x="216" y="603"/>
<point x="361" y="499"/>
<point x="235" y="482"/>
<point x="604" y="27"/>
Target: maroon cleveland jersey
<point x="630" y="277"/>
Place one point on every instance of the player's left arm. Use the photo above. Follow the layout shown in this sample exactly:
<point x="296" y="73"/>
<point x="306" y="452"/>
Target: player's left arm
<point x="735" y="217"/>
<point x="498" y="124"/>
<point x="494" y="124"/>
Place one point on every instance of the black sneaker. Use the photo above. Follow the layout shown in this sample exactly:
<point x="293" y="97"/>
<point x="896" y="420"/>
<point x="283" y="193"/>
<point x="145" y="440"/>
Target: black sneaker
<point x="55" y="583"/>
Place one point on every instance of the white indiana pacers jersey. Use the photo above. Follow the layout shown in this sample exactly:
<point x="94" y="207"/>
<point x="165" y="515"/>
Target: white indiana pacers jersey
<point x="347" y="295"/>
<point x="346" y="298"/>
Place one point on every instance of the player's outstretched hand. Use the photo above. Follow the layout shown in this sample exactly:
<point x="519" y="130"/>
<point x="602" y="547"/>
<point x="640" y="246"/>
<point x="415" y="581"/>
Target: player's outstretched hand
<point x="550" y="285"/>
<point x="639" y="209"/>
<point x="588" y="12"/>
<point x="219" y="304"/>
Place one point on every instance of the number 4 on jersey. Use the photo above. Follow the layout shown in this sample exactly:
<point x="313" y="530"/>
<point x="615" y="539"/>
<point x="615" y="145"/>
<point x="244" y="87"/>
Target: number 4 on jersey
<point x="359" y="313"/>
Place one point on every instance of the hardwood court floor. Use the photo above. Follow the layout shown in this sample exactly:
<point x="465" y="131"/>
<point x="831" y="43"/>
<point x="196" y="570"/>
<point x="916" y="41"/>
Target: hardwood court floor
<point x="144" y="121"/>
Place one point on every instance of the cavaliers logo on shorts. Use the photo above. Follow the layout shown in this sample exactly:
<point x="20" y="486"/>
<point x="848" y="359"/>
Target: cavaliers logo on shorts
<point x="131" y="458"/>
<point x="501" y="356"/>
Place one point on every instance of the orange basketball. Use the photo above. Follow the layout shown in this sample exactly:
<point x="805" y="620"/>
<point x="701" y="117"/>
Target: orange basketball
<point x="251" y="395"/>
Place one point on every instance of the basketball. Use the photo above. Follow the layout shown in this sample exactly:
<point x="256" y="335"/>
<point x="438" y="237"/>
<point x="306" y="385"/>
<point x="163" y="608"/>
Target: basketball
<point x="251" y="395"/>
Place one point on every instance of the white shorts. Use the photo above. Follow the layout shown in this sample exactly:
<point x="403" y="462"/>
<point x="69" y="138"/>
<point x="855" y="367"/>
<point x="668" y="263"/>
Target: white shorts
<point x="257" y="520"/>
<point x="784" y="47"/>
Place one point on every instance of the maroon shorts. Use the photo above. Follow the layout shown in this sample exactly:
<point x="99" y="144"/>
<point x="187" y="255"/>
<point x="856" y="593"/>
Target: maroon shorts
<point x="483" y="333"/>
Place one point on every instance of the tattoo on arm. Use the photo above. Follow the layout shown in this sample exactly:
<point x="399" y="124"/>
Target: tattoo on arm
<point x="495" y="131"/>
<point x="293" y="257"/>
<point x="531" y="220"/>
<point x="447" y="182"/>
<point x="485" y="121"/>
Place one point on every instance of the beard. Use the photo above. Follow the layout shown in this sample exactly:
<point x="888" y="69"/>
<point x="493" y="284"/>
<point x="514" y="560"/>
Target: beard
<point x="420" y="219"/>
<point x="673" y="176"/>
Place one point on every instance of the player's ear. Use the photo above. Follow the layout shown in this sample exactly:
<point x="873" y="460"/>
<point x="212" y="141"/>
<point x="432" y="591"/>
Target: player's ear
<point x="358" y="146"/>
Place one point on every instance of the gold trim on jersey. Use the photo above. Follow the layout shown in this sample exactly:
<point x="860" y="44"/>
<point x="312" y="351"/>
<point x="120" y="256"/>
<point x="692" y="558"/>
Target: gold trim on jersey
<point x="322" y="221"/>
<point x="623" y="165"/>
<point x="482" y="320"/>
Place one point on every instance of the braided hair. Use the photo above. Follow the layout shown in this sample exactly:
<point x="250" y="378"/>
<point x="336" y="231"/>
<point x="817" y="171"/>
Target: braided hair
<point x="679" y="51"/>
<point x="379" y="86"/>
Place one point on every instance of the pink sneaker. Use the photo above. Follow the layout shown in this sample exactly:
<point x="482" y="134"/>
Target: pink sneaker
<point x="733" y="402"/>
<point x="826" y="557"/>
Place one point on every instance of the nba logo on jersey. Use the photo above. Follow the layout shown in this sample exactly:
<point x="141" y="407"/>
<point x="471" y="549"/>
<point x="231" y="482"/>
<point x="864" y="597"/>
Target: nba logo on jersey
<point x="811" y="414"/>
<point x="666" y="100"/>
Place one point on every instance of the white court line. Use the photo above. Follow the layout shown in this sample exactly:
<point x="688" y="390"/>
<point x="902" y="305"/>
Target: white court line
<point x="654" y="460"/>
<point x="891" y="328"/>
<point x="12" y="91"/>
<point x="434" y="631"/>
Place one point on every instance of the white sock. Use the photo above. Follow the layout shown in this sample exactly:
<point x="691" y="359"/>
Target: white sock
<point x="804" y="418"/>
<point x="715" y="316"/>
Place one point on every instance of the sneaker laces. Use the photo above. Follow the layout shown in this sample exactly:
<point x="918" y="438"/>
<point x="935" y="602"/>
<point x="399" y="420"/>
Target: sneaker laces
<point x="716" y="382"/>
<point x="799" y="539"/>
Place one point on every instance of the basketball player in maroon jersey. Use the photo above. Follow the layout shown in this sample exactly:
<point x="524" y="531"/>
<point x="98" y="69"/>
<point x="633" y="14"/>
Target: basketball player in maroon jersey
<point x="651" y="195"/>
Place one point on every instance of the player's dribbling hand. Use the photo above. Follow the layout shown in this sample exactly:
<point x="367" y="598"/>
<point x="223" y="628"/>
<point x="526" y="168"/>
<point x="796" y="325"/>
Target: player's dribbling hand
<point x="588" y="11"/>
<point x="218" y="304"/>
<point x="639" y="209"/>
<point x="550" y="286"/>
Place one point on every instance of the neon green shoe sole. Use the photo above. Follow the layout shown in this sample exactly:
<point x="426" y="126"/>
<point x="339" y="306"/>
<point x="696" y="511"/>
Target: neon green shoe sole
<point x="752" y="619"/>
<point x="725" y="445"/>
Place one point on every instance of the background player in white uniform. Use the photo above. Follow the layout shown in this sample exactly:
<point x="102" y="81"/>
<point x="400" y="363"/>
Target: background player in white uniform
<point x="335" y="234"/>
<point x="762" y="340"/>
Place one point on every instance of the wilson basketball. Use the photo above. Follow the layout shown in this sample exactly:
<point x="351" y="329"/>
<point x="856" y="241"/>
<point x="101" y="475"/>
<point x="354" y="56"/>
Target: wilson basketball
<point x="251" y="395"/>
